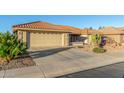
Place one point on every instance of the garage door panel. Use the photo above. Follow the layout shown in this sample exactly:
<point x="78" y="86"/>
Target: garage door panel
<point x="45" y="39"/>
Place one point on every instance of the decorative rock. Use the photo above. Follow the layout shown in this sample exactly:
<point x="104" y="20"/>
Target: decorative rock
<point x="28" y="62"/>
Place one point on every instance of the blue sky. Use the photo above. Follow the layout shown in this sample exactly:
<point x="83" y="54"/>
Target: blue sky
<point x="7" y="21"/>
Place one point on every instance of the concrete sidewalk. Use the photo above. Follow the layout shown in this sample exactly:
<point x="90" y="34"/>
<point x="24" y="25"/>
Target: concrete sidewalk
<point x="57" y="62"/>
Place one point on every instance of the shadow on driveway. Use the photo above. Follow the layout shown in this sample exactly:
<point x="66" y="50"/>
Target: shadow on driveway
<point x="110" y="71"/>
<point x="46" y="52"/>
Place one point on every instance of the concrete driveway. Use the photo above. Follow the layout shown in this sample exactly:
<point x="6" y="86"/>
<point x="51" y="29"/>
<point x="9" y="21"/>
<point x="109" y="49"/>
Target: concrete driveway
<point x="60" y="61"/>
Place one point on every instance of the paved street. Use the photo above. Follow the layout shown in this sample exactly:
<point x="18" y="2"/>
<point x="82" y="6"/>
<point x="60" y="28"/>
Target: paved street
<point x="111" y="71"/>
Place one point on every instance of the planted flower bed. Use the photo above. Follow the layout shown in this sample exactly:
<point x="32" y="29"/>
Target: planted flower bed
<point x="13" y="52"/>
<point x="21" y="61"/>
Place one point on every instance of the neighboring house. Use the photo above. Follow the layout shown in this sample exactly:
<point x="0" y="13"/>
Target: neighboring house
<point x="115" y="34"/>
<point x="43" y="34"/>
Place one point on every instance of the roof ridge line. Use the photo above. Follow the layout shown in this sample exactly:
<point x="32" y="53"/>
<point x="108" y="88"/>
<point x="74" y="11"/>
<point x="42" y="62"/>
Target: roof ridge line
<point x="27" y="23"/>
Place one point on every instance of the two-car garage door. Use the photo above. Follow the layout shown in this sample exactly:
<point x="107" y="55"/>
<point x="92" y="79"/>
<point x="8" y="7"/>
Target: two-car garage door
<point x="45" y="39"/>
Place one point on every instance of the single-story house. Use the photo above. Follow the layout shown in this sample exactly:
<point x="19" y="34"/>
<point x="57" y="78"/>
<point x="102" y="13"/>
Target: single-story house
<point x="43" y="34"/>
<point x="116" y="34"/>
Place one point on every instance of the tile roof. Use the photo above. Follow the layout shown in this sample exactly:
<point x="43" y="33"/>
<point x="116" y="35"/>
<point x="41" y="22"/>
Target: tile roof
<point x="47" y="26"/>
<point x="90" y="31"/>
<point x="120" y="28"/>
<point x="111" y="30"/>
<point x="104" y="31"/>
<point x="73" y="29"/>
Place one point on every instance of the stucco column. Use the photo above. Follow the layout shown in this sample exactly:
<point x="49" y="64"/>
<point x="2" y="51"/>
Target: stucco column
<point x="65" y="39"/>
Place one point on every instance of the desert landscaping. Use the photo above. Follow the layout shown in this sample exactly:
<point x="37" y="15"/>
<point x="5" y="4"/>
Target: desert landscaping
<point x="50" y="50"/>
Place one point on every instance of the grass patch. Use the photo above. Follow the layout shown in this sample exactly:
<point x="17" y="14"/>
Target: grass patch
<point x="99" y="50"/>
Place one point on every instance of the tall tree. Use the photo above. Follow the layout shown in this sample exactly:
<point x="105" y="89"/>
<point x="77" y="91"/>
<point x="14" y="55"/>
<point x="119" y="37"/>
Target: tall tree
<point x="100" y="27"/>
<point x="90" y="28"/>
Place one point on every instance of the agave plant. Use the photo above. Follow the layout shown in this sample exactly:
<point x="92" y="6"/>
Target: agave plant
<point x="10" y="47"/>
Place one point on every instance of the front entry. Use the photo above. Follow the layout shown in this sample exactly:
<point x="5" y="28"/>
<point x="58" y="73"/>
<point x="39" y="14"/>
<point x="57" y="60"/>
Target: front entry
<point x="75" y="38"/>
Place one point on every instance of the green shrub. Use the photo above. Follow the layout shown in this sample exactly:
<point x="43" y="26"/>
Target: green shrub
<point x="99" y="50"/>
<point x="96" y="39"/>
<point x="79" y="47"/>
<point x="10" y="47"/>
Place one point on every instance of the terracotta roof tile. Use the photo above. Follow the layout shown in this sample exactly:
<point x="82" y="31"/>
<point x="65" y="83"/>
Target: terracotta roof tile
<point x="39" y="25"/>
<point x="111" y="30"/>
<point x="89" y="31"/>
<point x="73" y="29"/>
<point x="48" y="26"/>
<point x="104" y="31"/>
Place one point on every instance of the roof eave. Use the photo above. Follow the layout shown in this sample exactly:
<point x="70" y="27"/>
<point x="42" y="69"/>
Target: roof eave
<point x="36" y="29"/>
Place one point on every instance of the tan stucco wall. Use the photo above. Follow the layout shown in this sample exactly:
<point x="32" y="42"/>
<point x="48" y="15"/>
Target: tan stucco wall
<point x="122" y="39"/>
<point x="117" y="38"/>
<point x="48" y="39"/>
<point x="22" y="35"/>
<point x="65" y="39"/>
<point x="19" y="34"/>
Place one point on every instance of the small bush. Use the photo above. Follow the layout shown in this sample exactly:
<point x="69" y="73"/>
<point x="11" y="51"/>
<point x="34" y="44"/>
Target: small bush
<point x="79" y="47"/>
<point x="99" y="50"/>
